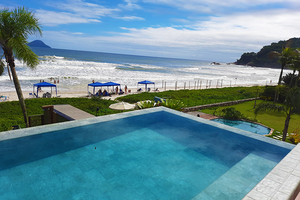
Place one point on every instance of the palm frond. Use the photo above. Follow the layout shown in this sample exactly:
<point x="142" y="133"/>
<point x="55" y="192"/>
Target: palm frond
<point x="269" y="106"/>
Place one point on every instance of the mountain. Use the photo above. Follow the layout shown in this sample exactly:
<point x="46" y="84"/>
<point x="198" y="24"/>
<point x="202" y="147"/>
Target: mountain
<point x="38" y="43"/>
<point x="261" y="58"/>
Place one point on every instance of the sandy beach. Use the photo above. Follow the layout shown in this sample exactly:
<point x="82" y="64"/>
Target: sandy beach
<point x="81" y="92"/>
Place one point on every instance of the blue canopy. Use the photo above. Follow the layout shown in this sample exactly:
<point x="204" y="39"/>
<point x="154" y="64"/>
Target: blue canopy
<point x="146" y="83"/>
<point x="110" y="84"/>
<point x="43" y="84"/>
<point x="96" y="84"/>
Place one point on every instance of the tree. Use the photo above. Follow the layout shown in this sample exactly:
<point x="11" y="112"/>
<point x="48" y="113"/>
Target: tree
<point x="289" y="107"/>
<point x="285" y="57"/>
<point x="15" y="27"/>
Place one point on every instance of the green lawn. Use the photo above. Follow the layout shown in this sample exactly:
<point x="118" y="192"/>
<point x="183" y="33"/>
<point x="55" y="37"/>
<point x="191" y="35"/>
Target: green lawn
<point x="271" y="119"/>
<point x="11" y="113"/>
<point x="197" y="97"/>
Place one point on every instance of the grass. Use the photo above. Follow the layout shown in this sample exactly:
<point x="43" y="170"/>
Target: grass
<point x="197" y="97"/>
<point x="11" y="113"/>
<point x="271" y="119"/>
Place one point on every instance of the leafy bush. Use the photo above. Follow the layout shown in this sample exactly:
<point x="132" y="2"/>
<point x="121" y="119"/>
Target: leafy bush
<point x="145" y="104"/>
<point x="287" y="79"/>
<point x="173" y="104"/>
<point x="269" y="93"/>
<point x="295" y="136"/>
<point x="231" y="113"/>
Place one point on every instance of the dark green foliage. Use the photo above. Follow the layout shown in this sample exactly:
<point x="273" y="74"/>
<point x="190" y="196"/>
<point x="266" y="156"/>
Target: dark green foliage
<point x="269" y="93"/>
<point x="196" y="97"/>
<point x="246" y="59"/>
<point x="231" y="113"/>
<point x="290" y="77"/>
<point x="261" y="59"/>
<point x="2" y="65"/>
<point x="11" y="113"/>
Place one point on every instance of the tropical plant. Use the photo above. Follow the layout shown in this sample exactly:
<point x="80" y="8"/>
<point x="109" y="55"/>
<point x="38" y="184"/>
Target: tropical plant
<point x="285" y="57"/>
<point x="295" y="136"/>
<point x="231" y="113"/>
<point x="173" y="104"/>
<point x="289" y="107"/>
<point x="15" y="27"/>
<point x="145" y="104"/>
<point x="290" y="79"/>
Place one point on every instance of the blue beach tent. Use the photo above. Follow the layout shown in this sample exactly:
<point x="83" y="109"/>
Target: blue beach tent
<point x="111" y="84"/>
<point x="43" y="84"/>
<point x="146" y="83"/>
<point x="96" y="84"/>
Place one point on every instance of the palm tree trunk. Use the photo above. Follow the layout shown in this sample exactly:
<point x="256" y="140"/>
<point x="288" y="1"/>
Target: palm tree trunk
<point x="279" y="83"/>
<point x="297" y="79"/>
<point x="11" y="62"/>
<point x="286" y="125"/>
<point x="280" y="76"/>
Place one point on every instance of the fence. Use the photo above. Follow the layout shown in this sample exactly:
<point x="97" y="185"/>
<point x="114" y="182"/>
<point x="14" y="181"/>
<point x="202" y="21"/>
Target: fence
<point x="36" y="120"/>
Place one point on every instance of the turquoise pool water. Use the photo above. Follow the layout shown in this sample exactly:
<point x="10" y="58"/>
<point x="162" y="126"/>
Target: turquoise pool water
<point x="247" y="126"/>
<point x="139" y="155"/>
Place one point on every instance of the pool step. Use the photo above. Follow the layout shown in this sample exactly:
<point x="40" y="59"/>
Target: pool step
<point x="238" y="180"/>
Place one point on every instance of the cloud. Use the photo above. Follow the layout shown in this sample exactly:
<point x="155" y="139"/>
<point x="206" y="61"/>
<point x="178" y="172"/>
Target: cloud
<point x="217" y="6"/>
<point x="130" y="18"/>
<point x="52" y="18"/>
<point x="130" y="5"/>
<point x="85" y="9"/>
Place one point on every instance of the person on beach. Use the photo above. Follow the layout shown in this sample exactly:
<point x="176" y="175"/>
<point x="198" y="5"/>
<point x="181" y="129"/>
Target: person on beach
<point x="125" y="89"/>
<point x="117" y="89"/>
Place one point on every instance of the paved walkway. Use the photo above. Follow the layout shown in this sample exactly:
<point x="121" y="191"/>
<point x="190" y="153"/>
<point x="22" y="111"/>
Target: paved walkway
<point x="70" y="112"/>
<point x="202" y="115"/>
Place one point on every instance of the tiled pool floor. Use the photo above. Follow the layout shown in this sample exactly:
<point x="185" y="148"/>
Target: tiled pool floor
<point x="138" y="165"/>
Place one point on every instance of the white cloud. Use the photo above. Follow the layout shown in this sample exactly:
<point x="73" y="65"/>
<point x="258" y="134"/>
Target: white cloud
<point x="130" y="18"/>
<point x="217" y="6"/>
<point x="88" y="10"/>
<point x="51" y="18"/>
<point x="130" y="5"/>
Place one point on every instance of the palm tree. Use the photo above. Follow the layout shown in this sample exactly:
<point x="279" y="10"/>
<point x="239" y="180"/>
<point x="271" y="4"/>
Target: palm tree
<point x="285" y="57"/>
<point x="15" y="26"/>
<point x="289" y="107"/>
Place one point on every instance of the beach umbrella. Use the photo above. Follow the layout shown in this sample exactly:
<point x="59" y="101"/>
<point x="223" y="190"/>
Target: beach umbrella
<point x="122" y="106"/>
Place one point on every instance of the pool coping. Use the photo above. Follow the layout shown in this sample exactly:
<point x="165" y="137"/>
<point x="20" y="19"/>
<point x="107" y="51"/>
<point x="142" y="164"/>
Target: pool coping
<point x="280" y="183"/>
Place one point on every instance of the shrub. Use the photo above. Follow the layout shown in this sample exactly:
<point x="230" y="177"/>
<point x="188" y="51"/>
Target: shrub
<point x="269" y="93"/>
<point x="231" y="113"/>
<point x="145" y="104"/>
<point x="295" y="136"/>
<point x="173" y="104"/>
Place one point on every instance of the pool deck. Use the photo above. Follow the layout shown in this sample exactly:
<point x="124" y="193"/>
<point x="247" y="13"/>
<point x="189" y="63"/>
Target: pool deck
<point x="71" y="113"/>
<point x="202" y="115"/>
<point x="282" y="182"/>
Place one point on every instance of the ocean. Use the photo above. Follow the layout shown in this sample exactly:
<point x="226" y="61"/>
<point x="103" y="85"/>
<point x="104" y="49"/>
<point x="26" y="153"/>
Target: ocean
<point x="75" y="69"/>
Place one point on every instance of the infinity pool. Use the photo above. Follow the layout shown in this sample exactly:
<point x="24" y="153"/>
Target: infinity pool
<point x="150" y="154"/>
<point x="247" y="126"/>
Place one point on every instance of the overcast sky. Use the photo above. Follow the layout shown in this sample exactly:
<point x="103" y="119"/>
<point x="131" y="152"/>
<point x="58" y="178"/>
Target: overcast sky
<point x="213" y="30"/>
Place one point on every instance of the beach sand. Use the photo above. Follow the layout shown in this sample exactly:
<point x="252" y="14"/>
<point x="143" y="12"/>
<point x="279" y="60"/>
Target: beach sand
<point x="82" y="92"/>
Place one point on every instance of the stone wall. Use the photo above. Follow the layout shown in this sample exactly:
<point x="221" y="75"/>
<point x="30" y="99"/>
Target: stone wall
<point x="228" y="103"/>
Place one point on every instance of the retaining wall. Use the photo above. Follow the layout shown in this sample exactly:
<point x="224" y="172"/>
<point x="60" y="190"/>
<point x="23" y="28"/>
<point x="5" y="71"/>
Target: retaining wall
<point x="227" y="103"/>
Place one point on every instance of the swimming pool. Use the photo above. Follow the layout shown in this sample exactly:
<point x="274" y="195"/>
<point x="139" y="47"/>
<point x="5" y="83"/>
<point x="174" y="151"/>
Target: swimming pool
<point x="148" y="154"/>
<point x="244" y="125"/>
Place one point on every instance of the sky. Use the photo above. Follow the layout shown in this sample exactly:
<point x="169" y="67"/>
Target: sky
<point x="211" y="30"/>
